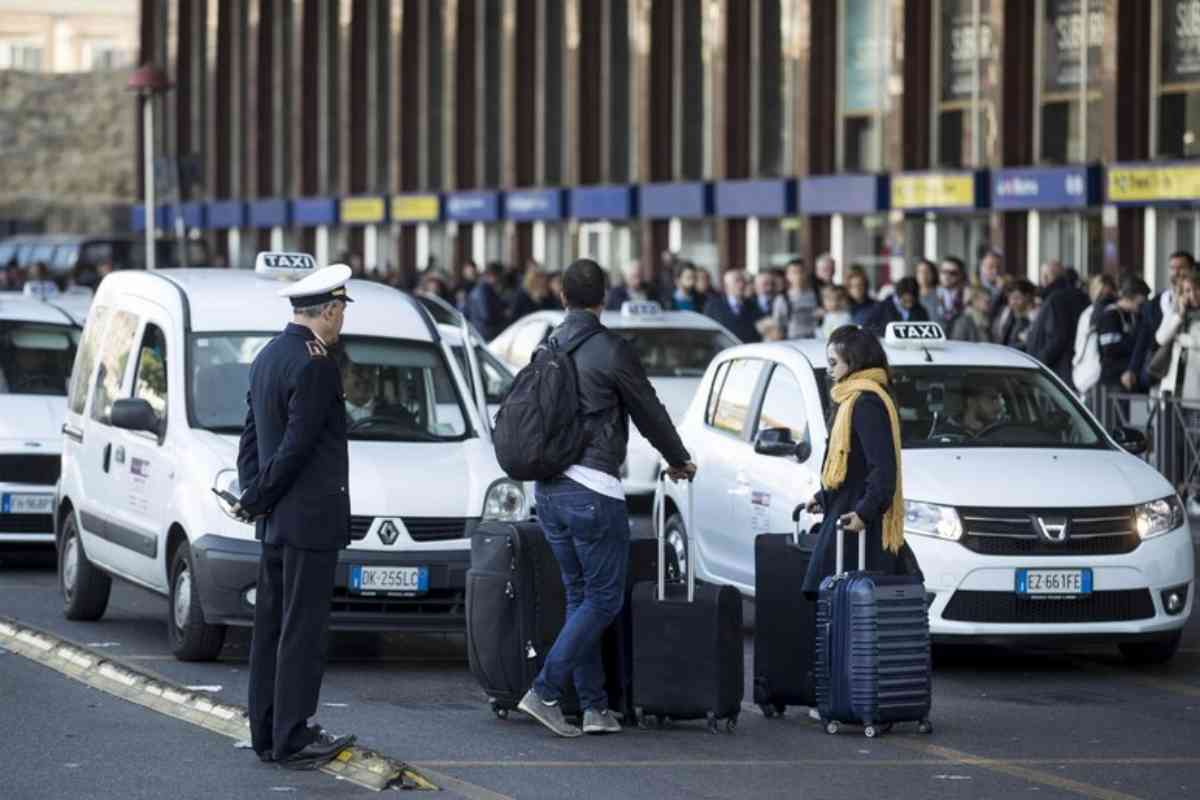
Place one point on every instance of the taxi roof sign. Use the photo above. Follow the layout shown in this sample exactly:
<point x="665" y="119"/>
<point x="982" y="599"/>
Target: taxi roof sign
<point x="914" y="334"/>
<point x="642" y="308"/>
<point x="288" y="266"/>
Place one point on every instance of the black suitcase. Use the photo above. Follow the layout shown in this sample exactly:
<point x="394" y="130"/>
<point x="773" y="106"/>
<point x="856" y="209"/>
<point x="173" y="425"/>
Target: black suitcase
<point x="873" y="658"/>
<point x="516" y="606"/>
<point x="785" y="623"/>
<point x="687" y="647"/>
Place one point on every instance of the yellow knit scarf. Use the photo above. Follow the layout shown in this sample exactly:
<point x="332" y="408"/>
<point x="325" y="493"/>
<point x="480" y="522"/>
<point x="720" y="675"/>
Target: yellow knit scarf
<point x="845" y="392"/>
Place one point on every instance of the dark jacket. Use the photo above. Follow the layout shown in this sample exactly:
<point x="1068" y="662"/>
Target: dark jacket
<point x="293" y="461"/>
<point x="861" y="312"/>
<point x="1051" y="338"/>
<point x="868" y="489"/>
<point x="741" y="324"/>
<point x="1149" y="319"/>
<point x="524" y="304"/>
<point x="1011" y="330"/>
<point x="1117" y="333"/>
<point x="485" y="310"/>
<point x="612" y="388"/>
<point x="886" y="311"/>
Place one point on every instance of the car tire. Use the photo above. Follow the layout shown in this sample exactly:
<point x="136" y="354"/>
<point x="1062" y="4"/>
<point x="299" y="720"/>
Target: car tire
<point x="191" y="638"/>
<point x="85" y="588"/>
<point x="678" y="553"/>
<point x="1153" y="651"/>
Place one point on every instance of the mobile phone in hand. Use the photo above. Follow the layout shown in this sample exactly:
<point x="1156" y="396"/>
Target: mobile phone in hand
<point x="226" y="496"/>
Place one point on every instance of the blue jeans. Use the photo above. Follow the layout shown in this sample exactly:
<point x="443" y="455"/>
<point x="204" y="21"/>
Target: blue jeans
<point x="589" y="534"/>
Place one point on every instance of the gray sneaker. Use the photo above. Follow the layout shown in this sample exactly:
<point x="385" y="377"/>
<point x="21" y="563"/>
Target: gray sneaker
<point x="549" y="715"/>
<point x="600" y="722"/>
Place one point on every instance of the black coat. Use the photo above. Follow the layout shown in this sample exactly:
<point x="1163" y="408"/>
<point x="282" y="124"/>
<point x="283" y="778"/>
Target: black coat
<point x="293" y="459"/>
<point x="1051" y="338"/>
<point x="486" y="310"/>
<point x="868" y="489"/>
<point x="885" y="312"/>
<point x="741" y="324"/>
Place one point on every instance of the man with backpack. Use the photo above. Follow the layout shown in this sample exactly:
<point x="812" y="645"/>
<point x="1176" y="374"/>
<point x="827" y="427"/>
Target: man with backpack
<point x="565" y="423"/>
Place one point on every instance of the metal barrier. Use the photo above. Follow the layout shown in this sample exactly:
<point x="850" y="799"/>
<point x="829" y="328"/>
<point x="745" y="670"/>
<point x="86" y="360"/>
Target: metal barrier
<point x="1171" y="426"/>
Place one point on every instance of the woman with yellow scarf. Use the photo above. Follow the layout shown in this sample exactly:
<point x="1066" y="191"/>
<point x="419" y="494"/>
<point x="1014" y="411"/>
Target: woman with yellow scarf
<point x="860" y="480"/>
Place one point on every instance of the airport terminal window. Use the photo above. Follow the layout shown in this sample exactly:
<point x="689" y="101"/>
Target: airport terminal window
<point x="783" y="405"/>
<point x="150" y="382"/>
<point x="85" y="360"/>
<point x="1071" y="43"/>
<point x="733" y="406"/>
<point x="864" y="56"/>
<point x="1178" y="79"/>
<point x="964" y="76"/>
<point x="36" y="358"/>
<point x="114" y="356"/>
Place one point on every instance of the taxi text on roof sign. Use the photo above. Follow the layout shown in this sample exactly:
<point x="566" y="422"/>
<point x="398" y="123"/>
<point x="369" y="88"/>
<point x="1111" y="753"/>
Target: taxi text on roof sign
<point x="645" y="308"/>
<point x="914" y="333"/>
<point x="284" y="265"/>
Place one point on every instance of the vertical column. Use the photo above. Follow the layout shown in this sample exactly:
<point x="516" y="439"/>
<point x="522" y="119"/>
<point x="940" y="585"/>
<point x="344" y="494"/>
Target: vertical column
<point x="737" y="122"/>
<point x="658" y="112"/>
<point x="816" y="111"/>
<point x="1127" y="73"/>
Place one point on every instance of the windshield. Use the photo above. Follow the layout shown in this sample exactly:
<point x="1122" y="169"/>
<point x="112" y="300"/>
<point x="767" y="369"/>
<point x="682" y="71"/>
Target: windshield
<point x="675" y="352"/>
<point x="395" y="390"/>
<point x="985" y="407"/>
<point x="36" y="357"/>
<point x="497" y="380"/>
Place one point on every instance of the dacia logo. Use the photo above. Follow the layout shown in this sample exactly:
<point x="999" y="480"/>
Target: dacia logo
<point x="1054" y="531"/>
<point x="388" y="532"/>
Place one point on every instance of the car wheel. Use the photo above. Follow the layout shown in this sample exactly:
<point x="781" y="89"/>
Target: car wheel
<point x="1154" y="651"/>
<point x="192" y="639"/>
<point x="678" y="562"/>
<point x="85" y="588"/>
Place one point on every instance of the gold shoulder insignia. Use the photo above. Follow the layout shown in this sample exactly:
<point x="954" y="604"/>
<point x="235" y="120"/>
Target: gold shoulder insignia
<point x="316" y="349"/>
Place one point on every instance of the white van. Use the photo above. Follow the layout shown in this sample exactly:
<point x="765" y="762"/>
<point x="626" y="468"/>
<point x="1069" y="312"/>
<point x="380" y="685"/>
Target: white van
<point x="1039" y="525"/>
<point x="37" y="348"/>
<point x="156" y="407"/>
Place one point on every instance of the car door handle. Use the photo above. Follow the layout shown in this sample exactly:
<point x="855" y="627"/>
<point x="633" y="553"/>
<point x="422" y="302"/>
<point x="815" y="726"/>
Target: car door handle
<point x="106" y="459"/>
<point x="119" y="457"/>
<point x="73" y="433"/>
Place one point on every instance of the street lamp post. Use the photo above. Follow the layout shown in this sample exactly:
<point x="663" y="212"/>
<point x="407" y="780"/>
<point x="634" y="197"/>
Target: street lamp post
<point x="148" y="81"/>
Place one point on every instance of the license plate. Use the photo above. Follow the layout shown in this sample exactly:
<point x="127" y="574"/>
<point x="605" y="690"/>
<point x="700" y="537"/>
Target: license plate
<point x="27" y="504"/>
<point x="1034" y="582"/>
<point x="389" y="580"/>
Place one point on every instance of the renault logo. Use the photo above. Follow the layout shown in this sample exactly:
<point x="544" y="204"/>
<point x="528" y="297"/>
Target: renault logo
<point x="1055" y="530"/>
<point x="388" y="532"/>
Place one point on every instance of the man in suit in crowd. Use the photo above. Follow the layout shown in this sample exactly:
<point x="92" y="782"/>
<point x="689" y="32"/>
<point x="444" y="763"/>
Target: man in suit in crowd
<point x="732" y="310"/>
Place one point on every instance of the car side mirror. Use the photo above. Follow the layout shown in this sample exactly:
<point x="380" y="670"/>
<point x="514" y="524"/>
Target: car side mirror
<point x="1131" y="440"/>
<point x="134" y="414"/>
<point x="803" y="451"/>
<point x="774" y="442"/>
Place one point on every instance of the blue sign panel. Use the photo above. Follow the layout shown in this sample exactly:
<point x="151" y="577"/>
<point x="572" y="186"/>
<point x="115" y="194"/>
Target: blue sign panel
<point x="473" y="206"/>
<point x="664" y="200"/>
<point x="603" y="202"/>
<point x="1046" y="187"/>
<point x="137" y="219"/>
<point x="313" y="211"/>
<point x="533" y="204"/>
<point x="755" y="198"/>
<point x="226" y="214"/>
<point x="268" y="213"/>
<point x="822" y="195"/>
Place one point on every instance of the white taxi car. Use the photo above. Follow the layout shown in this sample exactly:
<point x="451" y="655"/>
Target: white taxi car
<point x="157" y="403"/>
<point x="1035" y="524"/>
<point x="675" y="348"/>
<point x="38" y="339"/>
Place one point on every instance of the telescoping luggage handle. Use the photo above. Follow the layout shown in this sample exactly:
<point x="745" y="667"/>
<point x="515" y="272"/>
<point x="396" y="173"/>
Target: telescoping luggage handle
<point x="841" y="547"/>
<point x="662" y="537"/>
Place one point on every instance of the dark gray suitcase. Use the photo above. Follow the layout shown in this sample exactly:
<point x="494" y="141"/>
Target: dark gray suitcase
<point x="873" y="659"/>
<point x="687" y="647"/>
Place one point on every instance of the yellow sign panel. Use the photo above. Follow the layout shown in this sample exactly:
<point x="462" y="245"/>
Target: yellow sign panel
<point x="1142" y="184"/>
<point x="363" y="210"/>
<point x="933" y="191"/>
<point x="415" y="208"/>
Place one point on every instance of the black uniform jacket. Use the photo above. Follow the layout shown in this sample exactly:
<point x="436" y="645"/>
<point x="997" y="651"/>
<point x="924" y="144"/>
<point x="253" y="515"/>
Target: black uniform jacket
<point x="293" y="462"/>
<point x="868" y="489"/>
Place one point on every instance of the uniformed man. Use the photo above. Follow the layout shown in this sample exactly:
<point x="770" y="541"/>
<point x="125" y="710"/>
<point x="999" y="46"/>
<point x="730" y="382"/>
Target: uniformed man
<point x="294" y="466"/>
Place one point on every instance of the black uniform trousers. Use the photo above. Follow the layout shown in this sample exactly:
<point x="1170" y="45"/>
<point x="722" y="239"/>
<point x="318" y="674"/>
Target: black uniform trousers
<point x="287" y="651"/>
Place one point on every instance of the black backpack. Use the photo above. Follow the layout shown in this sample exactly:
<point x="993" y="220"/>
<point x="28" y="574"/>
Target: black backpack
<point x="539" y="432"/>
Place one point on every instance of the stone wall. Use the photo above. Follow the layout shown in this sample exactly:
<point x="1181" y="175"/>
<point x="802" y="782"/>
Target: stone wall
<point x="67" y="150"/>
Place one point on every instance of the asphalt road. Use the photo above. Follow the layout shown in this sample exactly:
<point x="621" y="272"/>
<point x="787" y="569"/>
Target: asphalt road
<point x="1009" y="723"/>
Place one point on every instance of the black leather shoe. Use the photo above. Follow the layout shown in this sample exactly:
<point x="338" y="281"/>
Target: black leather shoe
<point x="318" y="752"/>
<point x="266" y="756"/>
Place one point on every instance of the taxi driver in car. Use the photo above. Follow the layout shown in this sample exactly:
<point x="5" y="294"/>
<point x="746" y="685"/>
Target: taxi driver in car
<point x="359" y="387"/>
<point x="983" y="407"/>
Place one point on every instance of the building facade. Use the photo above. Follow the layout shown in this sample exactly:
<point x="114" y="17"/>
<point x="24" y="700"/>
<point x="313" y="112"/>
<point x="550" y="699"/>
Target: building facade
<point x="68" y="35"/>
<point x="736" y="133"/>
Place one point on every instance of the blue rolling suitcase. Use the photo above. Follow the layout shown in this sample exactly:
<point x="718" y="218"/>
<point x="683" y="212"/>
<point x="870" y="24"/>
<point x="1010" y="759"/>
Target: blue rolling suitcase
<point x="873" y="660"/>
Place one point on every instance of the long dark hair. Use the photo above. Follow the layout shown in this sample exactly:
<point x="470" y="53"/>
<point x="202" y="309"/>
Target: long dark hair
<point x="859" y="349"/>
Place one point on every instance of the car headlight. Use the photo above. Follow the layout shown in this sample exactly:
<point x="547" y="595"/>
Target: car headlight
<point x="505" y="501"/>
<point x="227" y="481"/>
<point x="930" y="519"/>
<point x="1158" y="517"/>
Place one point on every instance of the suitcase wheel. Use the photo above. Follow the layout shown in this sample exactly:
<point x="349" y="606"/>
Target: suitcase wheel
<point x="499" y="711"/>
<point x="731" y="724"/>
<point x="832" y="727"/>
<point x="870" y="731"/>
<point x="925" y="726"/>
